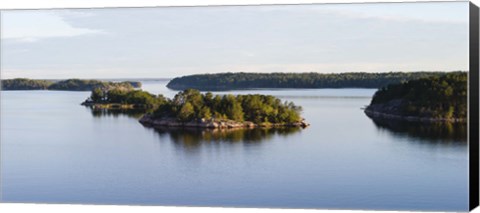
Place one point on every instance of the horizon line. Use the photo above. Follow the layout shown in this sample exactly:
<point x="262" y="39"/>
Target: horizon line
<point x="169" y="78"/>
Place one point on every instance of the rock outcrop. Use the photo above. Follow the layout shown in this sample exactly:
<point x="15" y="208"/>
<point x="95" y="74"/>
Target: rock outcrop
<point x="392" y="110"/>
<point x="148" y="119"/>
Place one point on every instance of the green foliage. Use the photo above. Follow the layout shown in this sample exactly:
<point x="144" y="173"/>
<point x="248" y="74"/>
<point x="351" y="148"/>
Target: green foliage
<point x="85" y="85"/>
<point x="70" y="84"/>
<point x="190" y="104"/>
<point x="116" y="96"/>
<point x="435" y="97"/>
<point x="231" y="81"/>
<point x="205" y="113"/>
<point x="97" y="95"/>
<point x="135" y="84"/>
<point x="233" y="108"/>
<point x="25" y="84"/>
<point x="186" y="113"/>
<point x="142" y="98"/>
<point x="121" y="96"/>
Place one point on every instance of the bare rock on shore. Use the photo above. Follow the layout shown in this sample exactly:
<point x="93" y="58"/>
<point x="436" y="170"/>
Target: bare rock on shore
<point x="391" y="110"/>
<point x="213" y="124"/>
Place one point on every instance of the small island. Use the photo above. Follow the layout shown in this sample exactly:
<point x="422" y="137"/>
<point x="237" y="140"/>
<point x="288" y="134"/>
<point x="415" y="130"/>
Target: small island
<point x="122" y="98"/>
<point x="190" y="108"/>
<point x="433" y="99"/>
<point x="244" y="81"/>
<point x="67" y="85"/>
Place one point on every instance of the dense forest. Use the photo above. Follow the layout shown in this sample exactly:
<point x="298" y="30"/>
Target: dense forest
<point x="438" y="97"/>
<point x="25" y="84"/>
<point x="232" y="81"/>
<point x="138" y="98"/>
<point x="70" y="84"/>
<point x="190" y="105"/>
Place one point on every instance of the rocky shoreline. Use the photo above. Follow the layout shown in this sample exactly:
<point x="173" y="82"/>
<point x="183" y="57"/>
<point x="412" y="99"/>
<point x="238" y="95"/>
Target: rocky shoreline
<point x="147" y="119"/>
<point x="392" y="110"/>
<point x="383" y="115"/>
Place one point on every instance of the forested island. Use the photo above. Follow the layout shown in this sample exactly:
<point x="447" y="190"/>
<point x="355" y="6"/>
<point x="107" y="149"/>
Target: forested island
<point x="69" y="84"/>
<point x="190" y="108"/>
<point x="122" y="98"/>
<point x="437" y="98"/>
<point x="240" y="80"/>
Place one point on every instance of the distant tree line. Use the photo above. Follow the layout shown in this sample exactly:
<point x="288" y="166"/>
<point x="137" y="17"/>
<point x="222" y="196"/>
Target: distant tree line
<point x="233" y="81"/>
<point x="190" y="105"/>
<point x="25" y="84"/>
<point x="70" y="84"/>
<point x="433" y="97"/>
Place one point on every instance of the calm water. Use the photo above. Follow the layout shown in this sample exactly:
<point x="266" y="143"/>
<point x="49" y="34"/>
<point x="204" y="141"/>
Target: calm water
<point x="55" y="151"/>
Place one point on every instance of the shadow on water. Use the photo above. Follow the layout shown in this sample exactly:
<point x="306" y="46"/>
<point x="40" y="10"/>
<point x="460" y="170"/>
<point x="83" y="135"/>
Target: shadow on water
<point x="133" y="113"/>
<point x="194" y="138"/>
<point x="445" y="133"/>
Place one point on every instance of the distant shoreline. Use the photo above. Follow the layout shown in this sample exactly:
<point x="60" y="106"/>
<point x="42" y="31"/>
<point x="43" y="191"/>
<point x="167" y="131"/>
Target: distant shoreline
<point x="312" y="80"/>
<point x="65" y="85"/>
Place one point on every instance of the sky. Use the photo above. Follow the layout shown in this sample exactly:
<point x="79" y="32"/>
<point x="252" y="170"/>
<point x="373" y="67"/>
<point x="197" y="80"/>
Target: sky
<point x="176" y="41"/>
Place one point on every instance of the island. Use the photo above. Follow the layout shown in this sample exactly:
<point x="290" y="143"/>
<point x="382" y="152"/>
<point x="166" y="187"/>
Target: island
<point x="190" y="108"/>
<point x="243" y="81"/>
<point x="432" y="99"/>
<point x="123" y="98"/>
<point x="68" y="85"/>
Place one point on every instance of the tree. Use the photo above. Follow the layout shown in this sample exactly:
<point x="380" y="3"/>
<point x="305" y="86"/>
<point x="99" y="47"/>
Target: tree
<point x="233" y="109"/>
<point x="191" y="104"/>
<point x="97" y="95"/>
<point x="140" y="98"/>
<point x="116" y="96"/>
<point x="230" y="81"/>
<point x="186" y="112"/>
<point x="208" y="99"/>
<point x="205" y="113"/>
<point x="432" y="97"/>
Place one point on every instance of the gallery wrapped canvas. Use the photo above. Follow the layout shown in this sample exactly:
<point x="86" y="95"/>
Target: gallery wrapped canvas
<point x="370" y="106"/>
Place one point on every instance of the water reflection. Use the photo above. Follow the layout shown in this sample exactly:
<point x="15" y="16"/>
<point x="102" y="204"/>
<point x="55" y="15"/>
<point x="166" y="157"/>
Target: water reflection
<point x="134" y="113"/>
<point x="429" y="132"/>
<point x="193" y="138"/>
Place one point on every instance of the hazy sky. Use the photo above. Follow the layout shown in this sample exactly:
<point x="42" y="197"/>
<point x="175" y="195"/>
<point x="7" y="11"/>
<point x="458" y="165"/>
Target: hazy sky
<point x="169" y="42"/>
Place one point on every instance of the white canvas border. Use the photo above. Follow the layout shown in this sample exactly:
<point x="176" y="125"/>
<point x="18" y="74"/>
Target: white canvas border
<point x="54" y="208"/>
